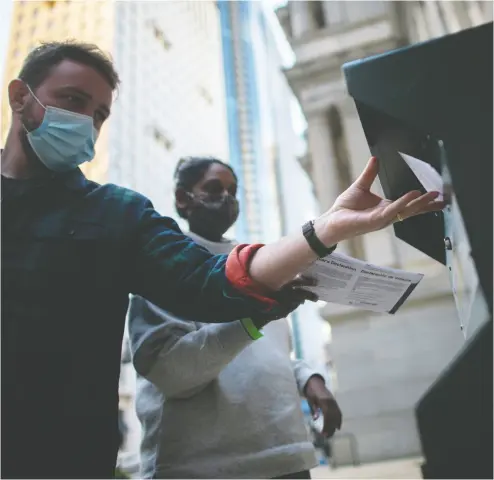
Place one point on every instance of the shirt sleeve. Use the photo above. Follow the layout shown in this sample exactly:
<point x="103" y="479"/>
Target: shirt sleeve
<point x="181" y="358"/>
<point x="178" y="275"/>
<point x="303" y="372"/>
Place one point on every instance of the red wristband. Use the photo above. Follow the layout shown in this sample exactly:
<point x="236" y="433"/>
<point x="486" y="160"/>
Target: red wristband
<point x="237" y="272"/>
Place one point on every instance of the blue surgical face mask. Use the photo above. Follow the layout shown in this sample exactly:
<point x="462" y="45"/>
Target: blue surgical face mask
<point x="64" y="140"/>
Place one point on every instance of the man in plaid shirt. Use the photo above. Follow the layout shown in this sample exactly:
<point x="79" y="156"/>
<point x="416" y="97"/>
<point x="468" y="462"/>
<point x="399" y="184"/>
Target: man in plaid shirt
<point x="73" y="250"/>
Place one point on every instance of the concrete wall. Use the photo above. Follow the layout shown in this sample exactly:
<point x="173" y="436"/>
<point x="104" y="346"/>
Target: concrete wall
<point x="425" y="20"/>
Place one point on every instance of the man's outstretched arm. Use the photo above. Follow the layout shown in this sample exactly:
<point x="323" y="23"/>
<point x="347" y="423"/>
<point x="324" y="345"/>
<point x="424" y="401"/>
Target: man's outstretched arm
<point x="173" y="272"/>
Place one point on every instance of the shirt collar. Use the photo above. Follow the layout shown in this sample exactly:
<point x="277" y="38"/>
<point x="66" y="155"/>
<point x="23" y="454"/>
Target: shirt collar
<point x="73" y="180"/>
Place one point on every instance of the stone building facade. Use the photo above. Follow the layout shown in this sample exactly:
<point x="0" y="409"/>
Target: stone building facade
<point x="384" y="363"/>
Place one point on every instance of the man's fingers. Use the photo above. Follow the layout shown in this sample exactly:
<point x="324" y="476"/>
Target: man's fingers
<point x="367" y="177"/>
<point x="424" y="207"/>
<point x="299" y="296"/>
<point x="419" y="205"/>
<point x="305" y="295"/>
<point x="398" y="206"/>
<point x="312" y="297"/>
<point x="303" y="281"/>
<point x="294" y="291"/>
<point x="412" y="204"/>
<point x="435" y="206"/>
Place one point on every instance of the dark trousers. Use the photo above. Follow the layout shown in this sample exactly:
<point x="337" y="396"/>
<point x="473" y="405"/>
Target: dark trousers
<point x="304" y="474"/>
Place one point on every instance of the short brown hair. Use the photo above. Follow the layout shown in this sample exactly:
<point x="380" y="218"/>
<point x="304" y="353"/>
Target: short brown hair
<point x="42" y="59"/>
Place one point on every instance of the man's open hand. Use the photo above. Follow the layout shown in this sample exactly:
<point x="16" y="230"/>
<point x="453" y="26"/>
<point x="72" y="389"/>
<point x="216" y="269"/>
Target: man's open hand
<point x="358" y="211"/>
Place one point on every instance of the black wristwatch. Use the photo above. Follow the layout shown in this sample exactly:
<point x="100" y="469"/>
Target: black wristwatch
<point x="314" y="243"/>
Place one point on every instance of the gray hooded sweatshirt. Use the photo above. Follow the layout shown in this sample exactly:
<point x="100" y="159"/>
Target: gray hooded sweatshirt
<point x="213" y="402"/>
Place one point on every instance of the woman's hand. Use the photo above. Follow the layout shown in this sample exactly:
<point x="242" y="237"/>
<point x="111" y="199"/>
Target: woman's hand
<point x="320" y="399"/>
<point x="358" y="211"/>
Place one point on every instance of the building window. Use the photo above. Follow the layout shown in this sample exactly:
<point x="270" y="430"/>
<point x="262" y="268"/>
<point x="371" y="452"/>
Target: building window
<point x="160" y="35"/>
<point x="204" y="93"/>
<point x="317" y="13"/>
<point x="161" y="138"/>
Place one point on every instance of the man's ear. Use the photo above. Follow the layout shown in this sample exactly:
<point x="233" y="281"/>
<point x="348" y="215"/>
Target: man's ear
<point x="18" y="95"/>
<point x="182" y="198"/>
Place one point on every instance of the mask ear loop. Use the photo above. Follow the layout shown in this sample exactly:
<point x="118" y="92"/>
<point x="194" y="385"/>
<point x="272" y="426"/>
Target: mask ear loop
<point x="95" y="132"/>
<point x="32" y="93"/>
<point x="194" y="197"/>
<point x="36" y="98"/>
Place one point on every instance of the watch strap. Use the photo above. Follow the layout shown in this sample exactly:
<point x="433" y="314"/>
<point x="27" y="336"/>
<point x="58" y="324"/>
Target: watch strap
<point x="314" y="243"/>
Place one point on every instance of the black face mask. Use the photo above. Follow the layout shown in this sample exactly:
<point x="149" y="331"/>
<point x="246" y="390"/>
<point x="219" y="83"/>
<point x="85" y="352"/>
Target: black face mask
<point x="212" y="217"/>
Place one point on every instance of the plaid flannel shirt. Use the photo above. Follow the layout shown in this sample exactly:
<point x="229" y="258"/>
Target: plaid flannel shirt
<point x="72" y="252"/>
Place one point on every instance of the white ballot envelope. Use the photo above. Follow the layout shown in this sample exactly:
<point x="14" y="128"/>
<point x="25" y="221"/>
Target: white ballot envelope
<point x="426" y="174"/>
<point x="348" y="281"/>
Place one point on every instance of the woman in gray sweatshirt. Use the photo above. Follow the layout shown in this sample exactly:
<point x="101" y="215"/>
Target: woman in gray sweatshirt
<point x="220" y="400"/>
